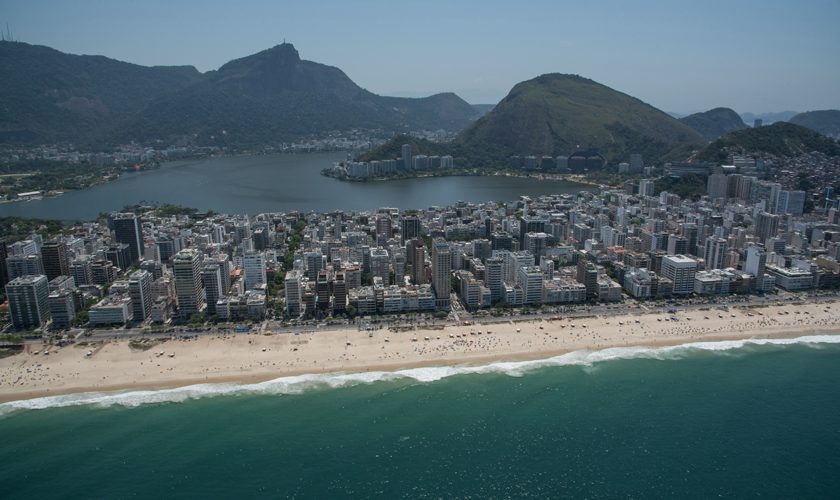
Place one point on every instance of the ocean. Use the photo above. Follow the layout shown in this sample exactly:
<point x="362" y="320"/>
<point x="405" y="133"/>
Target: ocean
<point x="735" y="419"/>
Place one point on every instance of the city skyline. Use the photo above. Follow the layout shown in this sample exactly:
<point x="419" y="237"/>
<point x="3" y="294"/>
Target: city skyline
<point x="753" y="56"/>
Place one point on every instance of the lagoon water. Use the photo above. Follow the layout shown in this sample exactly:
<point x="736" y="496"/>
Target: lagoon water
<point x="730" y="419"/>
<point x="254" y="184"/>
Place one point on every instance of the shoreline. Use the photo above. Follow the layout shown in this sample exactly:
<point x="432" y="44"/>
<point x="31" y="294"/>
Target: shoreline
<point x="255" y="358"/>
<point x="427" y="175"/>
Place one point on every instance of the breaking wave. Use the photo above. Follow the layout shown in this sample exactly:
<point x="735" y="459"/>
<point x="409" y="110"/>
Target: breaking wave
<point x="301" y="383"/>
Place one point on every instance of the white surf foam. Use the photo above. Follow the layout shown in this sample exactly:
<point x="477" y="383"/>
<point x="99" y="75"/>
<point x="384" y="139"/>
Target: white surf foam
<point x="300" y="383"/>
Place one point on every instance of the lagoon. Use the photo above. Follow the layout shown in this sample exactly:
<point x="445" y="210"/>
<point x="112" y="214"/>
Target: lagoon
<point x="276" y="183"/>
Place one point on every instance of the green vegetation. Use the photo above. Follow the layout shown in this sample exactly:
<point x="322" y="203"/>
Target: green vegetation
<point x="45" y="175"/>
<point x="610" y="178"/>
<point x="19" y="228"/>
<point x="715" y="122"/>
<point x="826" y="122"/>
<point x="277" y="283"/>
<point x="143" y="344"/>
<point x="196" y="320"/>
<point x="264" y="98"/>
<point x="688" y="186"/>
<point x="49" y="96"/>
<point x="11" y="338"/>
<point x="168" y="210"/>
<point x="780" y="139"/>
<point x="393" y="148"/>
<point x="558" y="114"/>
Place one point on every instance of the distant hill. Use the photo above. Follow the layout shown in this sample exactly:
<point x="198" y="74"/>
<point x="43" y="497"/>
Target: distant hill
<point x="826" y="122"/>
<point x="557" y="114"/>
<point x="268" y="97"/>
<point x="778" y="139"/>
<point x="49" y="96"/>
<point x="714" y="123"/>
<point x="483" y="109"/>
<point x="768" y="118"/>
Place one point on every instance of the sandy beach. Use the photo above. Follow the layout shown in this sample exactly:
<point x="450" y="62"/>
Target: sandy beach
<point x="248" y="358"/>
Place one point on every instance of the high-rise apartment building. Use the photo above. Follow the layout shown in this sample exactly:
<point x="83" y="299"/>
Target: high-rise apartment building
<point x="406" y="157"/>
<point x="417" y="260"/>
<point x="715" y="254"/>
<point x="409" y="228"/>
<point x="253" y="265"/>
<point x="680" y="270"/>
<point x="62" y="308"/>
<point x="293" y="293"/>
<point x="441" y="271"/>
<point x="28" y="301"/>
<point x="24" y="265"/>
<point x="128" y="230"/>
<point x="186" y="268"/>
<point x="55" y="259"/>
<point x="211" y="278"/>
<point x="140" y="291"/>
<point x="766" y="226"/>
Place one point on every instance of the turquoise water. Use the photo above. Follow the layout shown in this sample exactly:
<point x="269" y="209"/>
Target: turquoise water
<point x="729" y="419"/>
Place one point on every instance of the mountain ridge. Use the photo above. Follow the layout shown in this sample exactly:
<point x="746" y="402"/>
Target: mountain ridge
<point x="777" y="139"/>
<point x="262" y="98"/>
<point x="826" y="121"/>
<point x="715" y="122"/>
<point x="558" y="114"/>
<point x="555" y="114"/>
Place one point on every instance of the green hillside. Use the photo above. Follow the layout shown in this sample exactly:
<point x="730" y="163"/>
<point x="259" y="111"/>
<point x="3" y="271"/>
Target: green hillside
<point x="393" y="148"/>
<point x="779" y="139"/>
<point x="715" y="122"/>
<point x="49" y="96"/>
<point x="265" y="98"/>
<point x="559" y="114"/>
<point x="826" y="122"/>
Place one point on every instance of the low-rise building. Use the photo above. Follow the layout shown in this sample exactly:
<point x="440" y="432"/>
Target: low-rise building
<point x="112" y="310"/>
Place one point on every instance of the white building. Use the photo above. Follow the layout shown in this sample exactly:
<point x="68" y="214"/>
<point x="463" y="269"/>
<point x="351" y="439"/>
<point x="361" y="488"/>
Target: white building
<point x="680" y="270"/>
<point x="111" y="311"/>
<point x="253" y="267"/>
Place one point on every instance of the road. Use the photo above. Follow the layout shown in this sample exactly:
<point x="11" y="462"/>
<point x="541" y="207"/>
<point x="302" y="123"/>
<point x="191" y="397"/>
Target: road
<point x="459" y="315"/>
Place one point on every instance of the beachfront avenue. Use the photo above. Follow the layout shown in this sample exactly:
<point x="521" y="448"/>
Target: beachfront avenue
<point x="157" y="274"/>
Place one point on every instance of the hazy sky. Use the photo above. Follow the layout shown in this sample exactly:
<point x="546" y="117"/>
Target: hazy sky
<point x="679" y="55"/>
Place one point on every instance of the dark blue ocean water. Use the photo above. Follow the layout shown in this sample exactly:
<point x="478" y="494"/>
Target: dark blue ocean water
<point x="755" y="421"/>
